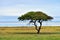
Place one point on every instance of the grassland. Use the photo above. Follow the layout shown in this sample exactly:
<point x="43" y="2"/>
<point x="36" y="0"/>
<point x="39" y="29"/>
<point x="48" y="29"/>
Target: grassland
<point x="29" y="33"/>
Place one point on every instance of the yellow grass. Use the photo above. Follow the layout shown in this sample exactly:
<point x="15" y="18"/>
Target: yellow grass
<point x="28" y="29"/>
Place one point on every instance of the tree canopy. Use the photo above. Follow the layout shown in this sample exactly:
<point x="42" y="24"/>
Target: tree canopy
<point x="35" y="16"/>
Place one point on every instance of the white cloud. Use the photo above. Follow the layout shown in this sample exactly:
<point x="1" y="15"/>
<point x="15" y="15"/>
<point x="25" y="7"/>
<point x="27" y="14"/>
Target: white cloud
<point x="9" y="12"/>
<point x="21" y="9"/>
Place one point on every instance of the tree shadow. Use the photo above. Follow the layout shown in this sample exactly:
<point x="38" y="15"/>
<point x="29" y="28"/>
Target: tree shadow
<point x="50" y="33"/>
<point x="35" y="33"/>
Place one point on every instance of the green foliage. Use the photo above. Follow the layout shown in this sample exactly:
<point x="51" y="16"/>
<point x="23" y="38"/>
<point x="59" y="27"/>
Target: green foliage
<point x="35" y="16"/>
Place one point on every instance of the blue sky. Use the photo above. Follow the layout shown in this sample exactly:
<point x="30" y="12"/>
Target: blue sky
<point x="19" y="7"/>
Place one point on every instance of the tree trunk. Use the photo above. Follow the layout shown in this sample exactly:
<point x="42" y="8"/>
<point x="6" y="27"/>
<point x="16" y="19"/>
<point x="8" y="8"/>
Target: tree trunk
<point x="38" y="31"/>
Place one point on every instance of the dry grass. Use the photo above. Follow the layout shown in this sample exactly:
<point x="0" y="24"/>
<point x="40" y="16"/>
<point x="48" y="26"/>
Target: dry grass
<point x="29" y="33"/>
<point x="28" y="29"/>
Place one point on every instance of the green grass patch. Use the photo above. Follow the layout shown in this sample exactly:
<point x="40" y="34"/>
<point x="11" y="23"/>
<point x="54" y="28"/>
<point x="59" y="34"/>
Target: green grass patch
<point x="30" y="37"/>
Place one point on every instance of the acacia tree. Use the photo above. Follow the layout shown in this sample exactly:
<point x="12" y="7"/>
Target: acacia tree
<point x="35" y="17"/>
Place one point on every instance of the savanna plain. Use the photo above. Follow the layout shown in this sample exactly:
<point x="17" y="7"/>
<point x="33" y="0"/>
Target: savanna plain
<point x="29" y="33"/>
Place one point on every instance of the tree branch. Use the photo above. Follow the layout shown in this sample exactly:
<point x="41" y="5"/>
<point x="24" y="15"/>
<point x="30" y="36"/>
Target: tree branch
<point x="35" y="24"/>
<point x="40" y="24"/>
